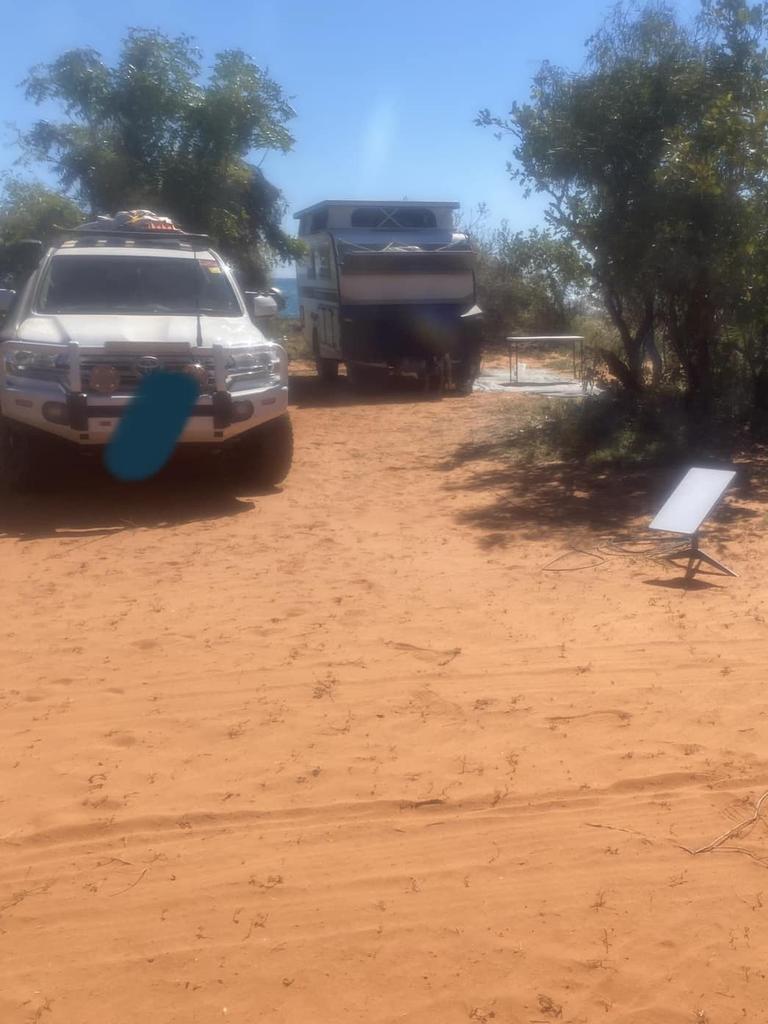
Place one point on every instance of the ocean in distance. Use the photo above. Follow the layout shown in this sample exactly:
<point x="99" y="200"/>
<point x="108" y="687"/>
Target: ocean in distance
<point x="290" y="290"/>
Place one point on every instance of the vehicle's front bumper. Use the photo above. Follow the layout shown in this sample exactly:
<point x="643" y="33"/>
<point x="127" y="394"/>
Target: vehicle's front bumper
<point x="219" y="415"/>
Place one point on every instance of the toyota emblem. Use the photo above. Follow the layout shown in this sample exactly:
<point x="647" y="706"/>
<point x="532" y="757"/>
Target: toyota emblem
<point x="147" y="364"/>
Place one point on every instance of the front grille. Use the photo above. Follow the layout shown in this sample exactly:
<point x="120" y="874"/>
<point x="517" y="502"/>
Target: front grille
<point x="131" y="376"/>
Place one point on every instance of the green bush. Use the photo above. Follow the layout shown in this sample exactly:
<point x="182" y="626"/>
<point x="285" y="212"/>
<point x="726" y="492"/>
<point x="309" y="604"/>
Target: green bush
<point x="607" y="430"/>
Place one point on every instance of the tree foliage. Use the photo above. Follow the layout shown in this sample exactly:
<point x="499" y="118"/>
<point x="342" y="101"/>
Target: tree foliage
<point x="30" y="210"/>
<point x="527" y="281"/>
<point x="149" y="132"/>
<point x="654" y="158"/>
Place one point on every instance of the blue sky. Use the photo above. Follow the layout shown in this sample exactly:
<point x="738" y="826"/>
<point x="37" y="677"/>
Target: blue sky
<point x="385" y="93"/>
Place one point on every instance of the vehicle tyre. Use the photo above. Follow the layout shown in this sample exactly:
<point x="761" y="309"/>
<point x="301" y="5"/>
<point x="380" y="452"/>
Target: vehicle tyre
<point x="264" y="456"/>
<point x="436" y="378"/>
<point x="464" y="384"/>
<point x="432" y="384"/>
<point x="25" y="463"/>
<point x="466" y="374"/>
<point x="327" y="369"/>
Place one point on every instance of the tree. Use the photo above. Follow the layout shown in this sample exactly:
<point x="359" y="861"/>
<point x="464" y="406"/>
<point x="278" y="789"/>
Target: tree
<point x="148" y="133"/>
<point x="30" y="210"/>
<point x="653" y="157"/>
<point x="530" y="281"/>
<point x="550" y="270"/>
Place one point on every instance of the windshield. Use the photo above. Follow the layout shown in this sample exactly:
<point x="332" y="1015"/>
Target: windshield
<point x="136" y="284"/>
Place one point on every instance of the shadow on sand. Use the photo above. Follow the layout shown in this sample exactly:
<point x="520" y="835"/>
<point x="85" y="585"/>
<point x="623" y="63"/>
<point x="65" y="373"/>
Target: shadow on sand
<point x="558" y="499"/>
<point x="306" y="390"/>
<point x="87" y="501"/>
<point x="681" y="583"/>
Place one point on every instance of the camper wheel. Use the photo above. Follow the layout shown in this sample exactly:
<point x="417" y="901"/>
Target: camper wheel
<point x="466" y="372"/>
<point x="436" y="377"/>
<point x="327" y="369"/>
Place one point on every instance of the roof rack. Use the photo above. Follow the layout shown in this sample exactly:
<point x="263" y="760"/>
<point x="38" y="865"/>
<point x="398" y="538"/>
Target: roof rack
<point x="133" y="233"/>
<point x="86" y="237"/>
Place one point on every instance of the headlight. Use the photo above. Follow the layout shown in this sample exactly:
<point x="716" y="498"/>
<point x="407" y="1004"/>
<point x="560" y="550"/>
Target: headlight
<point x="248" y="360"/>
<point x="27" y="362"/>
<point x="253" y="367"/>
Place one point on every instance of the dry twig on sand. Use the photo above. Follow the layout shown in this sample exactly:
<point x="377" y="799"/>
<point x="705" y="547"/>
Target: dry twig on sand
<point x="121" y="891"/>
<point x="445" y="656"/>
<point x="732" y="833"/>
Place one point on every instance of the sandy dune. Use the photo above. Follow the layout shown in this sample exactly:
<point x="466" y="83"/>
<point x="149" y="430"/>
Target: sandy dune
<point x="347" y="752"/>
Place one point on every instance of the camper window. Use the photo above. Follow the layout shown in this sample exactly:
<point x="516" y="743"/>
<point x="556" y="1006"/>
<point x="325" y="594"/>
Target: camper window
<point x="322" y="262"/>
<point x="393" y="217"/>
<point x="319" y="221"/>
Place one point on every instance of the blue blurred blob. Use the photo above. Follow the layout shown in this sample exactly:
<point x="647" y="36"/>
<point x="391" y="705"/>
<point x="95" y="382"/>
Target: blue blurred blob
<point x="146" y="436"/>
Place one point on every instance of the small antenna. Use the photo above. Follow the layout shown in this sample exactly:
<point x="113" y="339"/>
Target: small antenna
<point x="199" y="335"/>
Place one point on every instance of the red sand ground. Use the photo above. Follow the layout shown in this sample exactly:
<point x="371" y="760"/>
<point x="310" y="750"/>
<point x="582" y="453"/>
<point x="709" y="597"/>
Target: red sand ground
<point x="347" y="753"/>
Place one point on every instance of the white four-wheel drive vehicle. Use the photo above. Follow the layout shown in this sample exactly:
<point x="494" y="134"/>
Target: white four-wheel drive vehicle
<point x="106" y="306"/>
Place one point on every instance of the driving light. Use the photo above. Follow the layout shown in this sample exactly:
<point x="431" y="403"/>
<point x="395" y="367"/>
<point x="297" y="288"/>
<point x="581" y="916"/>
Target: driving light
<point x="199" y="372"/>
<point x="104" y="380"/>
<point x="56" y="412"/>
<point x="242" y="410"/>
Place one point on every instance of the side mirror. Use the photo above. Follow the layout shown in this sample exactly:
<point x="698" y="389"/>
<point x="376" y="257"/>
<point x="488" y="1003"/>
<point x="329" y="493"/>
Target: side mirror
<point x="279" y="298"/>
<point x="7" y="298"/>
<point x="261" y="305"/>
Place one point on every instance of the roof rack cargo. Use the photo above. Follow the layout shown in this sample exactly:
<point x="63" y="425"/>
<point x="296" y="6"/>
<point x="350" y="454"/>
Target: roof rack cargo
<point x="87" y="230"/>
<point x="155" y="232"/>
<point x="130" y="225"/>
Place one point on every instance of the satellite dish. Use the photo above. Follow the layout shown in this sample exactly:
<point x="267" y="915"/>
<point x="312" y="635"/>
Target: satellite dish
<point x="685" y="510"/>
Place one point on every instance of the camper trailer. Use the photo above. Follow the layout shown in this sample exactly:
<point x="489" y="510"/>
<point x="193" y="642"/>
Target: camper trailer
<point x="389" y="287"/>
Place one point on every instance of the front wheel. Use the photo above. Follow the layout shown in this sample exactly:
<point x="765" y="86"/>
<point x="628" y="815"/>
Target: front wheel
<point x="264" y="456"/>
<point x="25" y="463"/>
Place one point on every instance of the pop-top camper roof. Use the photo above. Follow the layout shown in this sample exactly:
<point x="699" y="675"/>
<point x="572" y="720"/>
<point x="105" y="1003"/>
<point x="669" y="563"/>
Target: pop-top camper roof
<point x="376" y="215"/>
<point x="375" y="202"/>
